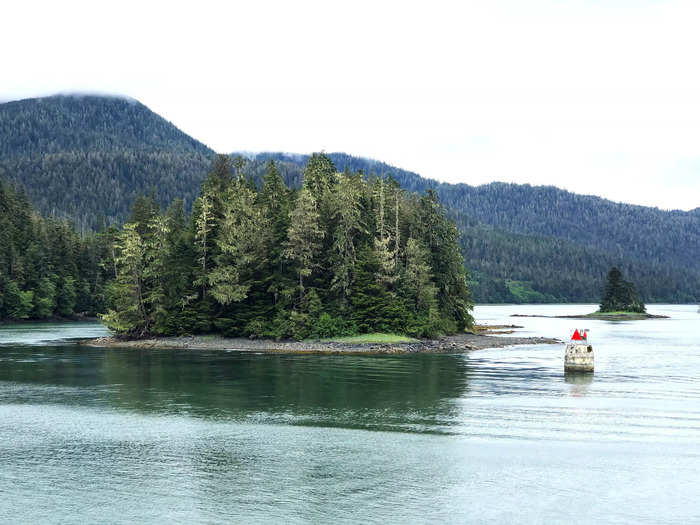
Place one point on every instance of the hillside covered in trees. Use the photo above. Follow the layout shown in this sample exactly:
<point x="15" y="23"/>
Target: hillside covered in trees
<point x="87" y="159"/>
<point x="342" y="255"/>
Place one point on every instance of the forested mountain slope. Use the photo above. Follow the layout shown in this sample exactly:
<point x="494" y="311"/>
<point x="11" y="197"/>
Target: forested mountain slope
<point x="88" y="157"/>
<point x="619" y="229"/>
<point x="87" y="123"/>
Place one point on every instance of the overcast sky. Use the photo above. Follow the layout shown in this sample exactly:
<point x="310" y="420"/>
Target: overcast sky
<point x="598" y="97"/>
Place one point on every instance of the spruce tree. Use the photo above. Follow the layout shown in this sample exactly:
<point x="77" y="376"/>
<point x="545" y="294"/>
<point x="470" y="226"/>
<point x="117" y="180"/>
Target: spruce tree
<point x="129" y="314"/>
<point x="319" y="174"/>
<point x="203" y="238"/>
<point x="620" y="295"/>
<point x="348" y="226"/>
<point x="241" y="234"/>
<point x="304" y="237"/>
<point x="441" y="238"/>
<point x="155" y="272"/>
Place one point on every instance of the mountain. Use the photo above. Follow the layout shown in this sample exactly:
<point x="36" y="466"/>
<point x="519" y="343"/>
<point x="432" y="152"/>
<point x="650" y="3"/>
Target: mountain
<point x="88" y="157"/>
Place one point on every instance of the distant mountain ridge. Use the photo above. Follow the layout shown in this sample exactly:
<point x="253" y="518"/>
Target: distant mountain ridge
<point x="88" y="157"/>
<point x="41" y="126"/>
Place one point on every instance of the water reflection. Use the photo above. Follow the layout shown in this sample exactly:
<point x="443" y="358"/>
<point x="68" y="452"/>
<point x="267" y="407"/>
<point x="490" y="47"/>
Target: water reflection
<point x="124" y="436"/>
<point x="579" y="382"/>
<point x="387" y="392"/>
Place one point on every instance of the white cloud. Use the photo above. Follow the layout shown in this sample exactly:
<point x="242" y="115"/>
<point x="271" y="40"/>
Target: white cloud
<point x="596" y="97"/>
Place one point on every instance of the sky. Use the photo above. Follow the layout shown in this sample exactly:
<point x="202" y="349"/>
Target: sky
<point x="597" y="97"/>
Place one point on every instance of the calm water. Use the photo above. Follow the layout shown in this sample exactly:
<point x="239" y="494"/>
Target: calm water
<point x="495" y="436"/>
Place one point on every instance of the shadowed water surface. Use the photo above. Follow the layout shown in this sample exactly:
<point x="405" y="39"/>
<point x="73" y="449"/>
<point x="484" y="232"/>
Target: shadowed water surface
<point x="494" y="436"/>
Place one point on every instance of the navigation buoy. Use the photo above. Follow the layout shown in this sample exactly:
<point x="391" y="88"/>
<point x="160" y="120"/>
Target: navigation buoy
<point x="578" y="356"/>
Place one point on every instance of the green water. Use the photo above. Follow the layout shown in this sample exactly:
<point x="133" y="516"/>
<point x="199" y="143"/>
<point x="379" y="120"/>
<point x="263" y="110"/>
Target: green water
<point x="91" y="435"/>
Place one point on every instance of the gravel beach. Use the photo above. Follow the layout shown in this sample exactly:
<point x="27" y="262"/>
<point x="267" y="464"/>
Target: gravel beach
<point x="447" y="344"/>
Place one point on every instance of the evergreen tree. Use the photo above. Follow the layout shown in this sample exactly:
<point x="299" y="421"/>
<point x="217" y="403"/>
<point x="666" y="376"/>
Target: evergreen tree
<point x="304" y="237"/>
<point x="417" y="279"/>
<point x="441" y="237"/>
<point x="143" y="212"/>
<point x="274" y="200"/>
<point x="66" y="296"/>
<point x="620" y="295"/>
<point x="203" y="235"/>
<point x="156" y="252"/>
<point x="386" y="257"/>
<point x="319" y="175"/>
<point x="129" y="314"/>
<point x="241" y="234"/>
<point x="46" y="269"/>
<point x="218" y="181"/>
<point x="176" y="217"/>
<point x="348" y="227"/>
<point x="375" y="309"/>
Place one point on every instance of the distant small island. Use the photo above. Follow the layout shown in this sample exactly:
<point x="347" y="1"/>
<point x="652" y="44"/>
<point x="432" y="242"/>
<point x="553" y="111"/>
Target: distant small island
<point x="618" y="303"/>
<point x="602" y="316"/>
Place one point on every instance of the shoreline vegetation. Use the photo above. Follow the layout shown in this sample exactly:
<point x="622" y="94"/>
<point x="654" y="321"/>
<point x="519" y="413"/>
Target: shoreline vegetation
<point x="483" y="338"/>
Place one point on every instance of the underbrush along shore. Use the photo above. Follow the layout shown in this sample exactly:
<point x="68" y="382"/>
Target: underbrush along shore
<point x="445" y="344"/>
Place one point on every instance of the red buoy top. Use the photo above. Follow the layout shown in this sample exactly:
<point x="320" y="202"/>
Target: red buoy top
<point x="579" y="335"/>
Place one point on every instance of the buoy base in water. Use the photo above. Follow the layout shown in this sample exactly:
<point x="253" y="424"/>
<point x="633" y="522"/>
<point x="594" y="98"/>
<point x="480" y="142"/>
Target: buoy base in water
<point x="578" y="357"/>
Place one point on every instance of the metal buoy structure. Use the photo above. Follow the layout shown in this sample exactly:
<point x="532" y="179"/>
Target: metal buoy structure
<point x="578" y="356"/>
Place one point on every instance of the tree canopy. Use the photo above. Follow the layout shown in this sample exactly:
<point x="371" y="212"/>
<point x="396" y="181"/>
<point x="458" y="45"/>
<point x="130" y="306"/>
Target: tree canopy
<point x="343" y="254"/>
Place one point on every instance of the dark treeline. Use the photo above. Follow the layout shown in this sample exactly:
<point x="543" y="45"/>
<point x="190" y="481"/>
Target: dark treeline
<point x="46" y="269"/>
<point x="343" y="254"/>
<point x="508" y="267"/>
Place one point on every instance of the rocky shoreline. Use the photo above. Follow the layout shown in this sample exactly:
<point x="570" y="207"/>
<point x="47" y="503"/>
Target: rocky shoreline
<point x="447" y="344"/>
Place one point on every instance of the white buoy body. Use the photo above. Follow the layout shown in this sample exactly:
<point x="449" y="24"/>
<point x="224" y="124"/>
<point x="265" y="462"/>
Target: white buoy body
<point x="578" y="357"/>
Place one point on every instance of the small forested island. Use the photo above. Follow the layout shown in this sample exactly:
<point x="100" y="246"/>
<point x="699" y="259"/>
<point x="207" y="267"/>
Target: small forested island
<point x="619" y="302"/>
<point x="345" y="254"/>
<point x="620" y="297"/>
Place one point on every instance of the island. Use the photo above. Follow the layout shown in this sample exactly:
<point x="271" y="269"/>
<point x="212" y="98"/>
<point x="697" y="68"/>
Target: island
<point x="343" y="262"/>
<point x="619" y="302"/>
